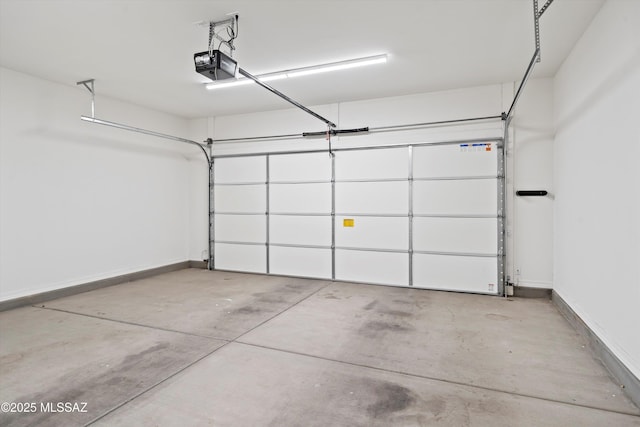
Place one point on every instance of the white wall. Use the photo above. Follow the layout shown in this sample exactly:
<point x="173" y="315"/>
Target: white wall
<point x="81" y="202"/>
<point x="530" y="240"/>
<point x="530" y="161"/>
<point x="597" y="179"/>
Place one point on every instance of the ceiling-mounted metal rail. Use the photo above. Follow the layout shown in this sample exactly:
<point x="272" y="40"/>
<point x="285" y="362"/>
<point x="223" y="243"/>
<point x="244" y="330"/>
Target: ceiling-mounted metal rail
<point x="90" y="85"/>
<point x="147" y="132"/>
<point x="285" y="97"/>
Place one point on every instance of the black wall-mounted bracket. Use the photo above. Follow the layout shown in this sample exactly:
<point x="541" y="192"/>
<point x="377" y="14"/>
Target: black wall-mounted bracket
<point x="531" y="193"/>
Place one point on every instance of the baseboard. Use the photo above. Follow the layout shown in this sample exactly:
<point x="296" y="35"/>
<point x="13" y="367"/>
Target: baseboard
<point x="616" y="368"/>
<point x="198" y="264"/>
<point x="528" y="292"/>
<point x="85" y="287"/>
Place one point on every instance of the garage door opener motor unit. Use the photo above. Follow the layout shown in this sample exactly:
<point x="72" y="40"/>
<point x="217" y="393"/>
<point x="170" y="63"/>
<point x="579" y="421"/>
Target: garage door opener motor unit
<point x="215" y="65"/>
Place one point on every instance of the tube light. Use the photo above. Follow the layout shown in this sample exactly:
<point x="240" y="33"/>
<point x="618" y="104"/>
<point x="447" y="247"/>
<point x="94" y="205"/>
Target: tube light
<point x="305" y="71"/>
<point x="338" y="66"/>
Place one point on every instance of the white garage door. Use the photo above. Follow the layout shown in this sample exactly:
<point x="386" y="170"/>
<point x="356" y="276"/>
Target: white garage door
<point x="424" y="215"/>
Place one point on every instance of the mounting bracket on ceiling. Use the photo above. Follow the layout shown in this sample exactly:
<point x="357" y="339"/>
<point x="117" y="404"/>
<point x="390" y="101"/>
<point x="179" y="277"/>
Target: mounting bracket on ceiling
<point x="536" y="22"/>
<point x="230" y="25"/>
<point x="86" y="84"/>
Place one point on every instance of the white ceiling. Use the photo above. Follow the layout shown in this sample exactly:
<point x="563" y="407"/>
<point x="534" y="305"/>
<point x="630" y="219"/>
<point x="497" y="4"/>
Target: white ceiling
<point x="142" y="51"/>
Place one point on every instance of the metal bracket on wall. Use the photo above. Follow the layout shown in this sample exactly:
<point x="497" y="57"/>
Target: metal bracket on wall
<point x="91" y="89"/>
<point x="531" y="193"/>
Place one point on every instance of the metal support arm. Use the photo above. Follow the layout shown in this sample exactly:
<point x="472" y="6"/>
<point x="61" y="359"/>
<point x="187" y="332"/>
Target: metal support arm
<point x="147" y="132"/>
<point x="285" y="97"/>
<point x="527" y="74"/>
<point x="544" y="8"/>
<point x="91" y="89"/>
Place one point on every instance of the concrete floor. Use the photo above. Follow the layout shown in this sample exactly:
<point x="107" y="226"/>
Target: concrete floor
<point x="213" y="348"/>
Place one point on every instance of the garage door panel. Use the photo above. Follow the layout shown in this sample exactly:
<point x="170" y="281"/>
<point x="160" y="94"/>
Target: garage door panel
<point x="372" y="197"/>
<point x="453" y="196"/>
<point x="234" y="170"/>
<point x="303" y="262"/>
<point x="455" y="273"/>
<point x="300" y="198"/>
<point x="300" y="167"/>
<point x="456" y="197"/>
<point x="463" y="160"/>
<point x="250" y="258"/>
<point x="372" y="232"/>
<point x="240" y="198"/>
<point x="300" y="230"/>
<point x="384" y="268"/>
<point x="388" y="163"/>
<point x="461" y="235"/>
<point x="241" y="228"/>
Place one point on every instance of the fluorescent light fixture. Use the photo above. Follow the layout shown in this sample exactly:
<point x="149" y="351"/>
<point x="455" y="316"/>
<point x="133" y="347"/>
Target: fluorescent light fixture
<point x="305" y="71"/>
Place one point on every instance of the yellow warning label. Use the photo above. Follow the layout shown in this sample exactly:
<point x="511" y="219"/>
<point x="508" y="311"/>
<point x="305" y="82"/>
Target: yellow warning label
<point x="348" y="222"/>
